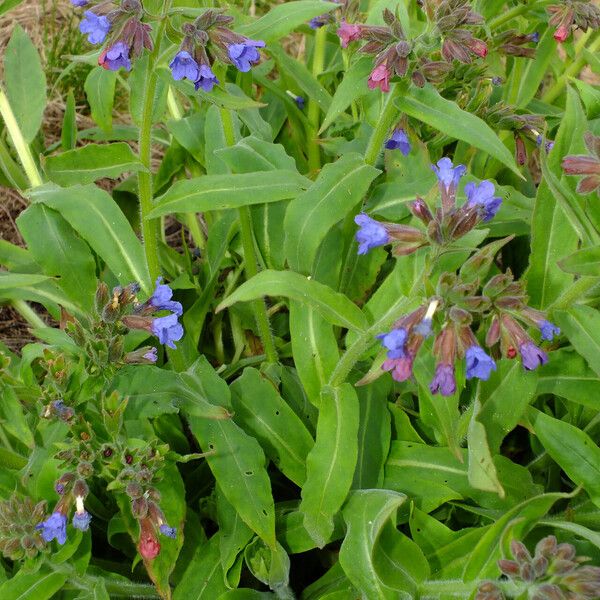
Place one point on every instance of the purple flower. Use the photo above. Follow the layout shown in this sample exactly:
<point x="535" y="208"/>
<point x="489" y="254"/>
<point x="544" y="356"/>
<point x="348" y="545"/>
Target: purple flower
<point x="497" y="81"/>
<point x="299" y="100"/>
<point x="167" y="329"/>
<point x="534" y="37"/>
<point x="168" y="531"/>
<point x="479" y="364"/>
<point x="399" y="141"/>
<point x="448" y="175"/>
<point x="423" y="328"/>
<point x="549" y="330"/>
<point x="348" y="32"/>
<point x="318" y="22"/>
<point x="549" y="146"/>
<point x="151" y="355"/>
<point x="206" y="79"/>
<point x="401" y="368"/>
<point x="55" y="526"/>
<point x="59" y="488"/>
<point x="532" y="357"/>
<point x="79" y="3"/>
<point x="96" y="27"/>
<point x="443" y="381"/>
<point x="245" y="54"/>
<point x="371" y="233"/>
<point x="482" y="195"/>
<point x="81" y="520"/>
<point x="115" y="57"/>
<point x="394" y="341"/>
<point x="184" y="66"/>
<point x="161" y="298"/>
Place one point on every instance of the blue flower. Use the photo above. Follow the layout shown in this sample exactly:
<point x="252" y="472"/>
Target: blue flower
<point x="151" y="355"/>
<point x="448" y="175"/>
<point x="82" y="520"/>
<point x="531" y="356"/>
<point x="534" y="37"/>
<point x="394" y="341"/>
<point x="96" y="27"/>
<point x="167" y="329"/>
<point x="483" y="195"/>
<point x="115" y="57"/>
<point x="443" y="381"/>
<point x="79" y="3"/>
<point x="371" y="233"/>
<point x="399" y="141"/>
<point x="184" y="66"/>
<point x="318" y="22"/>
<point x="479" y="364"/>
<point x="161" y="298"/>
<point x="245" y="54"/>
<point x="549" y="330"/>
<point x="206" y="79"/>
<point x="54" y="527"/>
<point x="299" y="100"/>
<point x="168" y="531"/>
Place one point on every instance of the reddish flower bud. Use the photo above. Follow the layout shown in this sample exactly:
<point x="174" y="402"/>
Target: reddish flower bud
<point x="148" y="546"/>
<point x="562" y="33"/>
<point x="379" y="78"/>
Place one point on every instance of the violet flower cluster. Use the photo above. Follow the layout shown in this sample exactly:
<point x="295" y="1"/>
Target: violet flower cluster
<point x="460" y="300"/>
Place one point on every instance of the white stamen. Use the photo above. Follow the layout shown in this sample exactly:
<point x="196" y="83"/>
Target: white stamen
<point x="431" y="310"/>
<point x="79" y="504"/>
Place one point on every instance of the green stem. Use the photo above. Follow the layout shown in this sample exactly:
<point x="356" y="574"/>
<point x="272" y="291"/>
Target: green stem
<point x="250" y="256"/>
<point x="149" y="227"/>
<point x="21" y="146"/>
<point x="574" y="293"/>
<point x="28" y="313"/>
<point x="388" y="116"/>
<point x="515" y="12"/>
<point x="571" y="71"/>
<point x="318" y="63"/>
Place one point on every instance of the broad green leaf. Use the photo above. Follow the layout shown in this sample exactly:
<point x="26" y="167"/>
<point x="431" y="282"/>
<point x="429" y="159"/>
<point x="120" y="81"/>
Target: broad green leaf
<point x="581" y="324"/>
<point x="536" y="69"/>
<point x="425" y="104"/>
<point x="25" y="82"/>
<point x="352" y="87"/>
<point x="189" y="132"/>
<point x="216" y="192"/>
<point x="283" y="18"/>
<point x="97" y="591"/>
<point x="334" y="585"/>
<point x="574" y="450"/>
<point x="60" y="252"/>
<point x="334" y="307"/>
<point x="578" y="530"/>
<point x="18" y="280"/>
<point x="261" y="411"/>
<point x="583" y="262"/>
<point x="314" y="347"/>
<point x="252" y="154"/>
<point x="68" y="134"/>
<point x="92" y="162"/>
<point x="138" y="82"/>
<point x="331" y="463"/>
<point x="7" y="5"/>
<point x="14" y="417"/>
<point x="203" y="578"/>
<point x="339" y="187"/>
<point x="99" y="221"/>
<point x="590" y="95"/>
<point x="269" y="565"/>
<point x="100" y="91"/>
<point x="40" y="585"/>
<point x="293" y="535"/>
<point x="379" y="560"/>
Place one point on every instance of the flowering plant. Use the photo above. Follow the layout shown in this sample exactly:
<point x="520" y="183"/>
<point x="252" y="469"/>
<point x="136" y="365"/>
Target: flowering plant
<point x="311" y="302"/>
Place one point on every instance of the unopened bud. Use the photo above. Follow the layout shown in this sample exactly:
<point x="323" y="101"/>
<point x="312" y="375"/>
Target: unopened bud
<point x="102" y="297"/>
<point x="85" y="469"/>
<point x="148" y="546"/>
<point x="420" y="209"/>
<point x="510" y="568"/>
<point x="134" y="490"/>
<point x="139" y="507"/>
<point x="80" y="488"/>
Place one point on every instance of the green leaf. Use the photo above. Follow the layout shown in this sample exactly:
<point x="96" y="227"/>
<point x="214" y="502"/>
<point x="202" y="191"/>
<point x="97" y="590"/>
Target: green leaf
<point x="19" y="280"/>
<point x="98" y="219"/>
<point x="216" y="192"/>
<point x="97" y="591"/>
<point x="339" y="187"/>
<point x="352" y="87"/>
<point x="236" y="460"/>
<point x="137" y="91"/>
<point x="426" y="105"/>
<point x="100" y="91"/>
<point x="581" y="324"/>
<point x="334" y="307"/>
<point x="574" y="451"/>
<point x="583" y="262"/>
<point x="25" y="82"/>
<point x="261" y="411"/>
<point x="7" y="5"/>
<point x="252" y="154"/>
<point x="283" y="18"/>
<point x="331" y="463"/>
<point x="68" y="134"/>
<point x="189" y="132"/>
<point x="92" y="162"/>
<point x="379" y="560"/>
<point x="41" y="585"/>
<point x="60" y="252"/>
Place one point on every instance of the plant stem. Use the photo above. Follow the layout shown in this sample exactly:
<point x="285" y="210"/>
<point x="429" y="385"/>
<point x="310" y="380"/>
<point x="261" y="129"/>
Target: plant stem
<point x="318" y="62"/>
<point x="149" y="227"/>
<point x="21" y="146"/>
<point x="28" y="313"/>
<point x="574" y="293"/>
<point x="571" y="71"/>
<point x="250" y="256"/>
<point x="386" y="120"/>
<point x="515" y="12"/>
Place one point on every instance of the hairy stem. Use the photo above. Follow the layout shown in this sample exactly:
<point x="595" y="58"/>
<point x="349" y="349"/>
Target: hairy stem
<point x="250" y="256"/>
<point x="318" y="62"/>
<point x="521" y="8"/>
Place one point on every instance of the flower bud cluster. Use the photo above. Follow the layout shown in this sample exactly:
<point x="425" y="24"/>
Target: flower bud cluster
<point x="19" y="537"/>
<point x="583" y="14"/>
<point x="585" y="164"/>
<point x="554" y="572"/>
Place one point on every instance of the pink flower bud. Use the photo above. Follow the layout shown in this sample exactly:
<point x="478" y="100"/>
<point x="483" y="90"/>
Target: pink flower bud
<point x="148" y="546"/>
<point x="380" y="78"/>
<point x="348" y="33"/>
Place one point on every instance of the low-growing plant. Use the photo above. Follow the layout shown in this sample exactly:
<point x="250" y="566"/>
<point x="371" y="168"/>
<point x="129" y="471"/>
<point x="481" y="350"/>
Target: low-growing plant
<point x="374" y="370"/>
